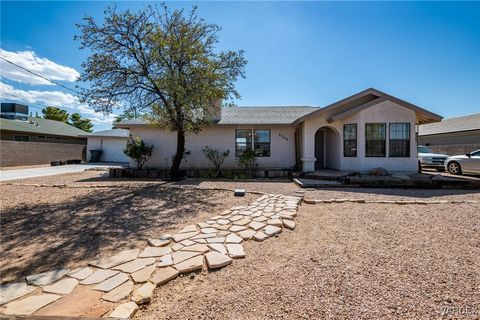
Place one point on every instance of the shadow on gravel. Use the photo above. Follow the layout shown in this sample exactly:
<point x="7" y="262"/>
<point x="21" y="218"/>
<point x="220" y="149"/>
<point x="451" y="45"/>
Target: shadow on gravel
<point x="38" y="238"/>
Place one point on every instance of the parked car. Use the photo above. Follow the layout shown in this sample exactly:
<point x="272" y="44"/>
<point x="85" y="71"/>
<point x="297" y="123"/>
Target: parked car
<point x="428" y="159"/>
<point x="467" y="163"/>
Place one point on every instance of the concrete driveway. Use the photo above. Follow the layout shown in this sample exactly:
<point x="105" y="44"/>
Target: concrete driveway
<point x="6" y="175"/>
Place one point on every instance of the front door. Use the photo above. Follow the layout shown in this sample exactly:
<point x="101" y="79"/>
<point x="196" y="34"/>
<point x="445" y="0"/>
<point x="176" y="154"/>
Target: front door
<point x="319" y="141"/>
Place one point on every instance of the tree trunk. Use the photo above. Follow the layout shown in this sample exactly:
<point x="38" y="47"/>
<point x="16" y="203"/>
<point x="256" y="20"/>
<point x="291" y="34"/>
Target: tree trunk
<point x="177" y="160"/>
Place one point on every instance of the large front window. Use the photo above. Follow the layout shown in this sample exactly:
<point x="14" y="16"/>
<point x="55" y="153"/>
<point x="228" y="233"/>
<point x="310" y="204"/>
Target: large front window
<point x="375" y="139"/>
<point x="250" y="139"/>
<point x="399" y="140"/>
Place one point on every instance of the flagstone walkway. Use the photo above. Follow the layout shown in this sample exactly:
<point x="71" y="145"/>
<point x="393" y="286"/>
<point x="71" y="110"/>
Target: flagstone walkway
<point x="115" y="286"/>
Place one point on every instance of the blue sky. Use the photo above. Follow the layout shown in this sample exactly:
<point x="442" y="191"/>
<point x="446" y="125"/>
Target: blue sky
<point x="299" y="53"/>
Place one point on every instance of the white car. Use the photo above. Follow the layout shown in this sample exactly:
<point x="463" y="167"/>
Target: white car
<point x="467" y="163"/>
<point x="428" y="159"/>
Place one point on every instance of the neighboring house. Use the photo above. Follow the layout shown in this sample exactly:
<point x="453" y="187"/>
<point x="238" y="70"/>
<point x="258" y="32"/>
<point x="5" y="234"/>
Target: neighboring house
<point x="110" y="142"/>
<point x="367" y="130"/>
<point x="453" y="136"/>
<point x="30" y="141"/>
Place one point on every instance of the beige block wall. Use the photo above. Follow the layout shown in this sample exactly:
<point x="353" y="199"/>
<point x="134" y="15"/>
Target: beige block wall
<point x="282" y="146"/>
<point x="384" y="112"/>
<point x="19" y="153"/>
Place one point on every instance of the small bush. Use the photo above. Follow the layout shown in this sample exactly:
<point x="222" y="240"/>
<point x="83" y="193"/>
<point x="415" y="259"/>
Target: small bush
<point x="137" y="150"/>
<point x="216" y="158"/>
<point x="248" y="160"/>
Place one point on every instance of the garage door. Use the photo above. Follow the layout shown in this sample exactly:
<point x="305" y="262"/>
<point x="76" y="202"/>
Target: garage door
<point x="113" y="150"/>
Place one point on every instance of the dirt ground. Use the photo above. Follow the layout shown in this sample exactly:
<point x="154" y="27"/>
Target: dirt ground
<point x="44" y="228"/>
<point x="344" y="261"/>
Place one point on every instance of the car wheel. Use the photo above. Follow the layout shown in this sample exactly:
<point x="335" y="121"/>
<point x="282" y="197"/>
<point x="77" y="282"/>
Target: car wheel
<point x="454" y="168"/>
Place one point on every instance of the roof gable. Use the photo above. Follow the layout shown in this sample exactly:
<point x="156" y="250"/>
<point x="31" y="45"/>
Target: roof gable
<point x="365" y="99"/>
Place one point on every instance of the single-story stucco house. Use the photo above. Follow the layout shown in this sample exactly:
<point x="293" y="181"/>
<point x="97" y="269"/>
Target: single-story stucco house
<point x="366" y="130"/>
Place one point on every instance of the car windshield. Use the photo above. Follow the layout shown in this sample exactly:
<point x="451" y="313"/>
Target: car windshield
<point x="423" y="149"/>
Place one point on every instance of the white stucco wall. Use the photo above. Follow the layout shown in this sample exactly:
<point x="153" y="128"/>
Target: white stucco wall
<point x="386" y="112"/>
<point x="112" y="147"/>
<point x="282" y="146"/>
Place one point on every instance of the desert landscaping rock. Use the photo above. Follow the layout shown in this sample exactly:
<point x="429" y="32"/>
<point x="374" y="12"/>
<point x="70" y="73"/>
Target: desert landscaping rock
<point x="112" y="282"/>
<point x="188" y="229"/>
<point x="216" y="240"/>
<point x="76" y="304"/>
<point x="13" y="291"/>
<point x="272" y="230"/>
<point x="193" y="264"/>
<point x="275" y="222"/>
<point x="124" y="311"/>
<point x="180" y="256"/>
<point x="217" y="260"/>
<point x="154" y="252"/>
<point x="289" y="224"/>
<point x="233" y="238"/>
<point x="187" y="243"/>
<point x="165" y="261"/>
<point x="158" y="242"/>
<point x="218" y="247"/>
<point x="242" y="222"/>
<point x="144" y="274"/>
<point x="99" y="310"/>
<point x="247" y="234"/>
<point x="64" y="286"/>
<point x="112" y="261"/>
<point x="163" y="275"/>
<point x="223" y="222"/>
<point x="235" y="250"/>
<point x="136" y="264"/>
<point x="99" y="276"/>
<point x="119" y="293"/>
<point x="260" y="219"/>
<point x="237" y="228"/>
<point x="255" y="225"/>
<point x="260" y="236"/>
<point x="30" y="304"/>
<point x="209" y="230"/>
<point x="45" y="278"/>
<point x="143" y="294"/>
<point x="202" y="248"/>
<point x="177" y="246"/>
<point x="81" y="273"/>
<point x="182" y="236"/>
<point x="165" y="236"/>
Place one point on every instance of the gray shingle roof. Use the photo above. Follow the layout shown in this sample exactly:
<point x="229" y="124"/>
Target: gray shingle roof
<point x="465" y="123"/>
<point x="116" y="133"/>
<point x="252" y="115"/>
<point x="41" y="126"/>
<point x="263" y="115"/>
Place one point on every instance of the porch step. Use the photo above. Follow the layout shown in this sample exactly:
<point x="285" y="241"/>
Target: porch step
<point x="328" y="175"/>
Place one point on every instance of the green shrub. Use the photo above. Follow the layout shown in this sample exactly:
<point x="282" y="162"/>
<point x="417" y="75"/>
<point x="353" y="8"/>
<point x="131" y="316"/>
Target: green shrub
<point x="247" y="160"/>
<point x="137" y="150"/>
<point x="216" y="158"/>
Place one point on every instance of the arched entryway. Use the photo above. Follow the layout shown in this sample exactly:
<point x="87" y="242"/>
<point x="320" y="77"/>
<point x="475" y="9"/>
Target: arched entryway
<point x="327" y="148"/>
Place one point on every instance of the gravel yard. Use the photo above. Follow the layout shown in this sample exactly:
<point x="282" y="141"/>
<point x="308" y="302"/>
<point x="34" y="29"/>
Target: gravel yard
<point x="44" y="228"/>
<point x="344" y="261"/>
<point x="392" y="194"/>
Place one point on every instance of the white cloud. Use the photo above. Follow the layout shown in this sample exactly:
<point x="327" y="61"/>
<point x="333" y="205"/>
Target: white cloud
<point x="53" y="98"/>
<point x="32" y="62"/>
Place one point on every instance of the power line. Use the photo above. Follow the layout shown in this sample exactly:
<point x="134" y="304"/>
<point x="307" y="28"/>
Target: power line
<point x="22" y="99"/>
<point x="38" y="75"/>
